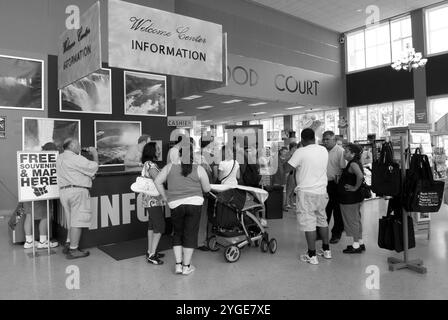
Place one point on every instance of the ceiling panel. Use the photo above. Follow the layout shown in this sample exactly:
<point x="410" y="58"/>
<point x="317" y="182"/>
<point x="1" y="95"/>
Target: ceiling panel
<point x="342" y="15"/>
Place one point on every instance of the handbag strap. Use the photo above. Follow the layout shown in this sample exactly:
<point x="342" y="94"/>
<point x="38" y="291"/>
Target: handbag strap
<point x="234" y="161"/>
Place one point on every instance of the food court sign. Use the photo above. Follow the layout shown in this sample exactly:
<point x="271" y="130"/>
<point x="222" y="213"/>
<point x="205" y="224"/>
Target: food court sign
<point x="148" y="39"/>
<point x="36" y="173"/>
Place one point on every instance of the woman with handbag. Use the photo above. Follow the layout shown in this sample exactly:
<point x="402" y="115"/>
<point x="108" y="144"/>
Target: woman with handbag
<point x="229" y="168"/>
<point x="154" y="206"/>
<point x="350" y="197"/>
<point x="187" y="182"/>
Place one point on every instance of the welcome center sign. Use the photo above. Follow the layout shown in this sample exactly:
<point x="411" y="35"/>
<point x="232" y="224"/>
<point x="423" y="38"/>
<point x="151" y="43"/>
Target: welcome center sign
<point x="36" y="173"/>
<point x="148" y="39"/>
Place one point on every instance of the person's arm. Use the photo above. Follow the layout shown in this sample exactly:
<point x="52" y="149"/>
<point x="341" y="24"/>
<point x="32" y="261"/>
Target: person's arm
<point x="354" y="168"/>
<point x="86" y="166"/>
<point x="161" y="179"/>
<point x="292" y="163"/>
<point x="342" y="165"/>
<point x="238" y="173"/>
<point x="203" y="177"/>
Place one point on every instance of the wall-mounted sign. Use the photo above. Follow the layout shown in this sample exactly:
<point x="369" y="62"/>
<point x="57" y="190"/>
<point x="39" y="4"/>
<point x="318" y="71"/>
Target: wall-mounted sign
<point x="249" y="77"/>
<point x="273" y="135"/>
<point x="80" y="49"/>
<point x="37" y="178"/>
<point x="2" y="127"/>
<point x="152" y="40"/>
<point x="182" y="122"/>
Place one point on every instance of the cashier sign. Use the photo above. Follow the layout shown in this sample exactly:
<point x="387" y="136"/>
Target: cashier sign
<point x="36" y="174"/>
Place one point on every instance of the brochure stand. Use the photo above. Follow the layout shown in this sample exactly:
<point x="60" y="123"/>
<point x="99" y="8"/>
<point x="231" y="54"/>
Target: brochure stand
<point x="395" y="263"/>
<point x="35" y="253"/>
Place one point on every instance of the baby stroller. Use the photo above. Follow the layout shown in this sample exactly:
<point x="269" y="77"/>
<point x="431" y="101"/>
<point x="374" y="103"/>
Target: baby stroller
<point x="234" y="212"/>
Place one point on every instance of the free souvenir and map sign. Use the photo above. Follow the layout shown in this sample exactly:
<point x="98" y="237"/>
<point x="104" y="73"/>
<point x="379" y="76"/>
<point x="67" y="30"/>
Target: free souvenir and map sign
<point x="80" y="49"/>
<point x="37" y="177"/>
<point x="153" y="40"/>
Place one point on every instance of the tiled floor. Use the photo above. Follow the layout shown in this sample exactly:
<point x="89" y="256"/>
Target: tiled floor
<point x="256" y="275"/>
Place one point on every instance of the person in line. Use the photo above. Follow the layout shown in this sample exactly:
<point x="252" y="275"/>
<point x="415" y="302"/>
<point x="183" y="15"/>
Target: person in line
<point x="351" y="198"/>
<point x="336" y="163"/>
<point x="229" y="168"/>
<point x="154" y="206"/>
<point x="40" y="213"/>
<point x="279" y="178"/>
<point x="290" y="179"/>
<point x="187" y="182"/>
<point x="134" y="154"/>
<point x="75" y="175"/>
<point x="310" y="163"/>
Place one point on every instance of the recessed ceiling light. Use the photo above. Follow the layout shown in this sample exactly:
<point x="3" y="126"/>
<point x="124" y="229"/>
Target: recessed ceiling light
<point x="359" y="10"/>
<point x="204" y="107"/>
<point x="257" y="104"/>
<point x="191" y="97"/>
<point x="293" y="108"/>
<point x="232" y="101"/>
<point x="180" y="112"/>
<point x="257" y="113"/>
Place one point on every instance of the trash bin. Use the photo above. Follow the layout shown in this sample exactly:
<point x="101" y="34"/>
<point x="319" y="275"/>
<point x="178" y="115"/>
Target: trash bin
<point x="274" y="203"/>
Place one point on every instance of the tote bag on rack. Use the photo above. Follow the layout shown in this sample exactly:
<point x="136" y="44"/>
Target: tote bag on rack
<point x="386" y="175"/>
<point x="421" y="192"/>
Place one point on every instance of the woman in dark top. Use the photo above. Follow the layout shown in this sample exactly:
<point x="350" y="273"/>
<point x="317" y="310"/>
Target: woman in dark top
<point x="351" y="198"/>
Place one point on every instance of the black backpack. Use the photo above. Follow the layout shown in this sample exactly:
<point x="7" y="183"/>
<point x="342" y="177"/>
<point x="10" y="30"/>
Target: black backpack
<point x="251" y="175"/>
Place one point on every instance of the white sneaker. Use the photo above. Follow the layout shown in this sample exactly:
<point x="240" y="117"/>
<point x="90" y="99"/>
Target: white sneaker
<point x="188" y="270"/>
<point x="29" y="245"/>
<point x="325" y="253"/>
<point x="44" y="245"/>
<point x="307" y="258"/>
<point x="178" y="268"/>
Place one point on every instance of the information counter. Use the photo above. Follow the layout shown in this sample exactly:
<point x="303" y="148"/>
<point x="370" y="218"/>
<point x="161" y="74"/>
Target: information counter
<point x="118" y="213"/>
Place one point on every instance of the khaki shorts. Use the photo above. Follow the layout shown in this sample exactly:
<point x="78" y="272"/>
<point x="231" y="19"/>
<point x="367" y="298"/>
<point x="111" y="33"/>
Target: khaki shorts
<point x="77" y="207"/>
<point x="310" y="208"/>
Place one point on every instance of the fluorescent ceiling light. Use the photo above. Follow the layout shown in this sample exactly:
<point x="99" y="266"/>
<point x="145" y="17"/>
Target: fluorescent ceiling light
<point x="232" y="101"/>
<point x="256" y="113"/>
<point x="191" y="97"/>
<point x="206" y="121"/>
<point x="278" y="115"/>
<point x="292" y="108"/>
<point x="180" y="112"/>
<point x="257" y="104"/>
<point x="204" y="107"/>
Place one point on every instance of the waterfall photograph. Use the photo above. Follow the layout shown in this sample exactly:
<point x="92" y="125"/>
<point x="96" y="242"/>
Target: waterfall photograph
<point x="21" y="83"/>
<point x="113" y="139"/>
<point x="145" y="94"/>
<point x="91" y="94"/>
<point x="39" y="131"/>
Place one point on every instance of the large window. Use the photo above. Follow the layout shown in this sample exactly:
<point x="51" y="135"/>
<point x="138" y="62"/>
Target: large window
<point x="378" y="118"/>
<point x="378" y="45"/>
<point x="323" y="121"/>
<point x="437" y="29"/>
<point x="438" y="107"/>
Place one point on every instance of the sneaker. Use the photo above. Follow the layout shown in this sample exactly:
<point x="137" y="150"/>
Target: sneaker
<point x="178" y="268"/>
<point x="307" y="258"/>
<point x="29" y="245"/>
<point x="334" y="239"/>
<point x="66" y="248"/>
<point x="157" y="254"/>
<point x="186" y="270"/>
<point x="154" y="260"/>
<point x="44" y="245"/>
<point x="77" y="253"/>
<point x="325" y="253"/>
<point x="263" y="223"/>
<point x="363" y="247"/>
<point x="350" y="249"/>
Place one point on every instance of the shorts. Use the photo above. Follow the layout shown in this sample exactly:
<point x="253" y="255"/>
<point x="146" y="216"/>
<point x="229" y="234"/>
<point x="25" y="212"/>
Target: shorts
<point x="77" y="207"/>
<point x="156" y="220"/>
<point x="310" y="209"/>
<point x="40" y="209"/>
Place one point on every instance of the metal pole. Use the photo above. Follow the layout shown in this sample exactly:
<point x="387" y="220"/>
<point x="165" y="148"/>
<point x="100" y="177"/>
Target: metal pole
<point x="32" y="225"/>
<point x="48" y="225"/>
<point x="405" y="235"/>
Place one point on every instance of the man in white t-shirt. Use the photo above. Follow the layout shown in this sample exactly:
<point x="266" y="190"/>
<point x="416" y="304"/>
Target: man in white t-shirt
<point x="310" y="163"/>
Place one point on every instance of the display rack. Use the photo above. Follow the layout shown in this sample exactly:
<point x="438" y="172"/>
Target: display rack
<point x="401" y="146"/>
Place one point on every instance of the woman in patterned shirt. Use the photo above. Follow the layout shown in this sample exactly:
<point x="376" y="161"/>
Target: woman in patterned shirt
<point x="154" y="206"/>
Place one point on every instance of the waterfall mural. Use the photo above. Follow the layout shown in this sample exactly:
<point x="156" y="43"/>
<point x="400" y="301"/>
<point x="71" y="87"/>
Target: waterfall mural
<point x="38" y="131"/>
<point x="21" y="83"/>
<point x="145" y="94"/>
<point x="91" y="94"/>
<point x="113" y="139"/>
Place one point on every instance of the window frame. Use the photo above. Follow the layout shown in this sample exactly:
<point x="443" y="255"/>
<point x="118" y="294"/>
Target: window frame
<point x="426" y="27"/>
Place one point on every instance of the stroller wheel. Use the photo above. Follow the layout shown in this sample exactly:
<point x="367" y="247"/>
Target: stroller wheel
<point x="272" y="245"/>
<point x="232" y="254"/>
<point x="264" y="245"/>
<point x="212" y="244"/>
